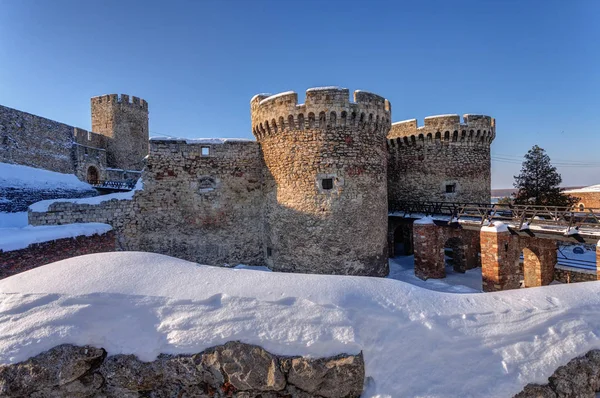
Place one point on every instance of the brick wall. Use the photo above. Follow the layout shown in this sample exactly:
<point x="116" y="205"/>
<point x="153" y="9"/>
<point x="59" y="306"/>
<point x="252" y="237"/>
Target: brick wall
<point x="16" y="261"/>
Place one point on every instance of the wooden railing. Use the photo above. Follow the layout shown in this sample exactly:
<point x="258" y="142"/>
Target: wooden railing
<point x="125" y="185"/>
<point x="521" y="216"/>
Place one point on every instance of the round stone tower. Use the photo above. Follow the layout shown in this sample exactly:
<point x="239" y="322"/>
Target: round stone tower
<point x="326" y="187"/>
<point x="442" y="161"/>
<point x="125" y="122"/>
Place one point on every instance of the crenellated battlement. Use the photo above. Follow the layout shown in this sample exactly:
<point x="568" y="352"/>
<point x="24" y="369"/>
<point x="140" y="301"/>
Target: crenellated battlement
<point x="123" y="100"/>
<point x="324" y="107"/>
<point x="476" y="129"/>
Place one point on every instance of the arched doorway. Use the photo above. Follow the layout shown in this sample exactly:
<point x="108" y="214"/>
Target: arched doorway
<point x="455" y="255"/>
<point x="537" y="262"/>
<point x="92" y="175"/>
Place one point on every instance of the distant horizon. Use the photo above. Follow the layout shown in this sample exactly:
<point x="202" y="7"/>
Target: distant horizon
<point x="198" y="64"/>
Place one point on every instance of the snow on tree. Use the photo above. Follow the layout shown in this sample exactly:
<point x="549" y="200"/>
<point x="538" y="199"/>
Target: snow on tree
<point x="538" y="183"/>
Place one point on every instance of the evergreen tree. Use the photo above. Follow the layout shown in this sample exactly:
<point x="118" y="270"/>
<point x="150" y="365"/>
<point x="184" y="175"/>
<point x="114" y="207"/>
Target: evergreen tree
<point x="538" y="183"/>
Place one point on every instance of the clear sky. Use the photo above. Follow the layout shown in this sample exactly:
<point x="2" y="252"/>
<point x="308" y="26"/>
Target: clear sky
<point x="533" y="65"/>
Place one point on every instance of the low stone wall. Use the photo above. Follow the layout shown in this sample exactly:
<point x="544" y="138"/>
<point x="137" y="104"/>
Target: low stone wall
<point x="579" y="378"/>
<point x="572" y="275"/>
<point x="14" y="200"/>
<point x="16" y="261"/>
<point x="231" y="370"/>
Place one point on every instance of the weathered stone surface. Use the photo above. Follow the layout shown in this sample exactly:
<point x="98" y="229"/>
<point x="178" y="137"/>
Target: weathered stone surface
<point x="425" y="160"/>
<point x="245" y="367"/>
<point x="56" y="367"/>
<point x="536" y="391"/>
<point x="231" y="370"/>
<point x="580" y="378"/>
<point x="341" y="376"/>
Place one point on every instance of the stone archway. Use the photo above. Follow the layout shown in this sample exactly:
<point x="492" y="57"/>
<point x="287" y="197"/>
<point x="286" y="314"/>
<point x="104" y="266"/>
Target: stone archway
<point x="539" y="259"/>
<point x="92" y="175"/>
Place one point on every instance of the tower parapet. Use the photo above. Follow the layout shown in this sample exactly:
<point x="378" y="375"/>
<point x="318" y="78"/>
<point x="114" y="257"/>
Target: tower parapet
<point x="443" y="160"/>
<point x="324" y="107"/>
<point x="476" y="129"/>
<point x="124" y="119"/>
<point x="325" y="183"/>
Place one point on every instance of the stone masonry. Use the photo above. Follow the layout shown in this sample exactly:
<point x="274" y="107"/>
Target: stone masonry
<point x="233" y="369"/>
<point x="125" y="122"/>
<point x="325" y="184"/>
<point x="444" y="160"/>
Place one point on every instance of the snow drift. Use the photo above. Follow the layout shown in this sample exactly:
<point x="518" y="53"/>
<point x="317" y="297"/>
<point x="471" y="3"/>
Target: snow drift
<point x="416" y="342"/>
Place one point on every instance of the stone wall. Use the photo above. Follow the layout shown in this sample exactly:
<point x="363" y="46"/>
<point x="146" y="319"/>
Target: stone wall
<point x="35" y="141"/>
<point x="231" y="370"/>
<point x="18" y="199"/>
<point x="443" y="160"/>
<point x="202" y="208"/>
<point x="38" y="254"/>
<point x="325" y="182"/>
<point x="566" y="274"/>
<point x="587" y="200"/>
<point x="125" y="121"/>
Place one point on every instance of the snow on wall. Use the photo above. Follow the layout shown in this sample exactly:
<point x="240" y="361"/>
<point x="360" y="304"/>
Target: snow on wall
<point x="20" y="238"/>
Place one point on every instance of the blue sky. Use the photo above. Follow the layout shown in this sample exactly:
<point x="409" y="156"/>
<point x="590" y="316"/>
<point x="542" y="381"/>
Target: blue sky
<point x="533" y="65"/>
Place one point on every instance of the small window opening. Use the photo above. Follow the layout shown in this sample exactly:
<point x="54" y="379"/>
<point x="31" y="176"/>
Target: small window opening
<point x="86" y="151"/>
<point x="450" y="188"/>
<point x="5" y="140"/>
<point x="205" y="151"/>
<point x="269" y="252"/>
<point x="581" y="207"/>
<point x="327" y="183"/>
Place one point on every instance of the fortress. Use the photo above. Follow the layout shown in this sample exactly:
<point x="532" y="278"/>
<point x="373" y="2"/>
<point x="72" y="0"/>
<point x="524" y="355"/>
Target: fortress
<point x="312" y="194"/>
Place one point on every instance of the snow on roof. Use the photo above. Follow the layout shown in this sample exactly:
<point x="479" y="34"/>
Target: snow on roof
<point x="448" y="115"/>
<point x="404" y="121"/>
<point x="271" y="97"/>
<point x="44" y="205"/>
<point x="591" y="188"/>
<point x="424" y="221"/>
<point x="20" y="238"/>
<point x="201" y="140"/>
<point x="19" y="176"/>
<point x="325" y="88"/>
<point x="180" y="307"/>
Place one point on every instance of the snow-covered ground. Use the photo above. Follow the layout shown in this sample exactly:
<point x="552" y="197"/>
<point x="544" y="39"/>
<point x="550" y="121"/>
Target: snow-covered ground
<point x="20" y="238"/>
<point x="19" y="176"/>
<point x="416" y="342"/>
<point x="402" y="268"/>
<point x="15" y="234"/>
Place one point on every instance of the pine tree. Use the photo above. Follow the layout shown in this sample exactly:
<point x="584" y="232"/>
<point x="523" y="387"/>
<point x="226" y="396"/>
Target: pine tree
<point x="538" y="183"/>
